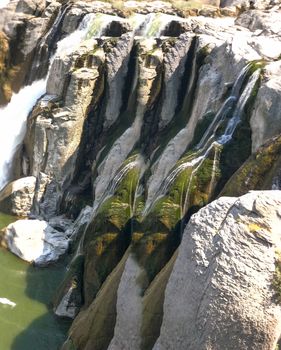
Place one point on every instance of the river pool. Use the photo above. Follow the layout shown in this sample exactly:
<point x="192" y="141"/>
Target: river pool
<point x="30" y="325"/>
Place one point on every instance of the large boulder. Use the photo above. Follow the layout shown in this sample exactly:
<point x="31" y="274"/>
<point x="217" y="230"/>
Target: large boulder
<point x="34" y="241"/>
<point x="222" y="293"/>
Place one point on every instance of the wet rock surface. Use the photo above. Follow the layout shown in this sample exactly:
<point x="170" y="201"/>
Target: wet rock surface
<point x="149" y="111"/>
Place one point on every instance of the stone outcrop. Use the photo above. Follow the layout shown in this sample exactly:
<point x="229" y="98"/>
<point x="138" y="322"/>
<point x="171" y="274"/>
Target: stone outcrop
<point x="260" y="171"/>
<point x="246" y="4"/>
<point x="220" y="288"/>
<point x="34" y="241"/>
<point x="151" y="111"/>
<point x="221" y="291"/>
<point x="17" y="197"/>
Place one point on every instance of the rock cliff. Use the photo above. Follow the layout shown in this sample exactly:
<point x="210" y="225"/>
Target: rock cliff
<point x="135" y="116"/>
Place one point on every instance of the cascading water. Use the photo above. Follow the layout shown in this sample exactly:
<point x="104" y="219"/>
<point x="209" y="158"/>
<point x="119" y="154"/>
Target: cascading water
<point x="175" y="148"/>
<point x="112" y="186"/>
<point x="208" y="141"/>
<point x="13" y="125"/>
<point x="155" y="24"/>
<point x="14" y="120"/>
<point x="234" y="121"/>
<point x="228" y="106"/>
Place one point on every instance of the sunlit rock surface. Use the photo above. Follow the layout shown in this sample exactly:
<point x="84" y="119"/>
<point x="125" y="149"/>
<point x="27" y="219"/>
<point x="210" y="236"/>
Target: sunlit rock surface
<point x="221" y="291"/>
<point x="119" y="122"/>
<point x="35" y="241"/>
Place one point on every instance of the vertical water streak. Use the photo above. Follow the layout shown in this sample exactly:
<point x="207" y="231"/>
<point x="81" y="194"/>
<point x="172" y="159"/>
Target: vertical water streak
<point x="185" y="205"/>
<point x="109" y="192"/>
<point x="208" y="140"/>
<point x="216" y="161"/>
<point x="245" y="96"/>
<point x="14" y="115"/>
<point x="13" y="120"/>
<point x="155" y="24"/>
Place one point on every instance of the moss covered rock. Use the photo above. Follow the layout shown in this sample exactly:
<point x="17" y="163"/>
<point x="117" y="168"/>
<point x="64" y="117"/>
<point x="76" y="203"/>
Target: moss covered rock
<point x="260" y="171"/>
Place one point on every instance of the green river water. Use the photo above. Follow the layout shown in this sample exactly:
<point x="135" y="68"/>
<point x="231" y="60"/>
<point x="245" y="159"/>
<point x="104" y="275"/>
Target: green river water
<point x="30" y="325"/>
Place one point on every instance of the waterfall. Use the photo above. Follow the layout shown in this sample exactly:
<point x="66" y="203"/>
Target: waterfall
<point x="92" y="25"/>
<point x="4" y="3"/>
<point x="114" y="183"/>
<point x="13" y="120"/>
<point x="110" y="190"/>
<point x="234" y="121"/>
<point x="219" y="117"/>
<point x="208" y="141"/>
<point x="155" y="24"/>
<point x="99" y="24"/>
<point x="15" y="114"/>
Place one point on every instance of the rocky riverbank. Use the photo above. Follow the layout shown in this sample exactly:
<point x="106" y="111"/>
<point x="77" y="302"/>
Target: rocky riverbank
<point x="135" y="117"/>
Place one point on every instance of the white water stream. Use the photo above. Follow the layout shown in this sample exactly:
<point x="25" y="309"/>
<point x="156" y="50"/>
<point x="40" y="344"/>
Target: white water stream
<point x="208" y="141"/>
<point x="13" y="117"/>
<point x="4" y="3"/>
<point x="13" y="125"/>
<point x="111" y="185"/>
<point x="154" y="24"/>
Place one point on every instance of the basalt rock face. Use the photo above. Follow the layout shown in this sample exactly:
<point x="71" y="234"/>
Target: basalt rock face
<point x="17" y="197"/>
<point x="145" y="119"/>
<point x="221" y="292"/>
<point x="23" y="23"/>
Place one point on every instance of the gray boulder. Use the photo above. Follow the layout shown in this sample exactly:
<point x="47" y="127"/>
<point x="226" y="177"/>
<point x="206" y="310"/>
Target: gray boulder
<point x="35" y="241"/>
<point x="221" y="292"/>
